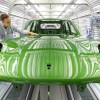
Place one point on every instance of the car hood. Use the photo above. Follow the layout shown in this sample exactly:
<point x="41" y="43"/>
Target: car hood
<point x="49" y="57"/>
<point x="51" y="43"/>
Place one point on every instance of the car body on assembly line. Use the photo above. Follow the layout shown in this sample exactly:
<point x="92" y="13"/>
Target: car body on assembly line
<point x="58" y="55"/>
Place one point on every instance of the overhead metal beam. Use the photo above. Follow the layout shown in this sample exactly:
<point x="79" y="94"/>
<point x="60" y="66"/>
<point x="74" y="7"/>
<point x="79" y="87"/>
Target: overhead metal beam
<point x="52" y="11"/>
<point x="12" y="6"/>
<point x="75" y="13"/>
<point x="37" y="11"/>
<point x="67" y="7"/>
<point x="28" y="1"/>
<point x="19" y="16"/>
<point x="90" y="7"/>
<point x="82" y="16"/>
<point x="51" y="4"/>
<point x="51" y="15"/>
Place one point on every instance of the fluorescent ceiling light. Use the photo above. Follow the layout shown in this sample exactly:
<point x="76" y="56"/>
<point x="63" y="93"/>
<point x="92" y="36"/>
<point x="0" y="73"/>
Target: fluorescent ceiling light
<point x="80" y="1"/>
<point x="50" y="1"/>
<point x="20" y="2"/>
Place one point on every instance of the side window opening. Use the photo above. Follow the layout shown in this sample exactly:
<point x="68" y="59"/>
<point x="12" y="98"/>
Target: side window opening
<point x="50" y="26"/>
<point x="28" y="27"/>
<point x="68" y="28"/>
<point x="33" y="27"/>
<point x="73" y="31"/>
<point x="63" y="29"/>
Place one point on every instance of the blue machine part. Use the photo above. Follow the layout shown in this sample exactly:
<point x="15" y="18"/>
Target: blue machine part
<point x="94" y="21"/>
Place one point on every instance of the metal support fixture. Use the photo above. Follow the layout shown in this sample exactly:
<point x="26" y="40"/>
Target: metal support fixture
<point x="58" y="92"/>
<point x="8" y="88"/>
<point x="26" y="92"/>
<point x="93" y="93"/>
<point x="23" y="93"/>
<point x="44" y="92"/>
<point x="35" y="94"/>
<point x="81" y="87"/>
<point x="75" y="93"/>
<point x="54" y="92"/>
<point x="30" y="91"/>
<point x="69" y="93"/>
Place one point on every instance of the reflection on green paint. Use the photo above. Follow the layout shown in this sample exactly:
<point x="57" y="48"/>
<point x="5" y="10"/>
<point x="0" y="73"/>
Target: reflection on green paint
<point x="72" y="60"/>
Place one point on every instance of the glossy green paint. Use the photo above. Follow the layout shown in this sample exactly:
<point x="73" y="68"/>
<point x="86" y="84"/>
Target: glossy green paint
<point x="50" y="59"/>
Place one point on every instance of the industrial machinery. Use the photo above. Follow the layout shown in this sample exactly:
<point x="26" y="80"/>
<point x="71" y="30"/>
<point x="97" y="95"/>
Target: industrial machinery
<point x="58" y="55"/>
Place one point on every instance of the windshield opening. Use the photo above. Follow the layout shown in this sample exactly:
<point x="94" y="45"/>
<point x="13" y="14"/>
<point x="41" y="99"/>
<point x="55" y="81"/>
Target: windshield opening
<point x="50" y="26"/>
